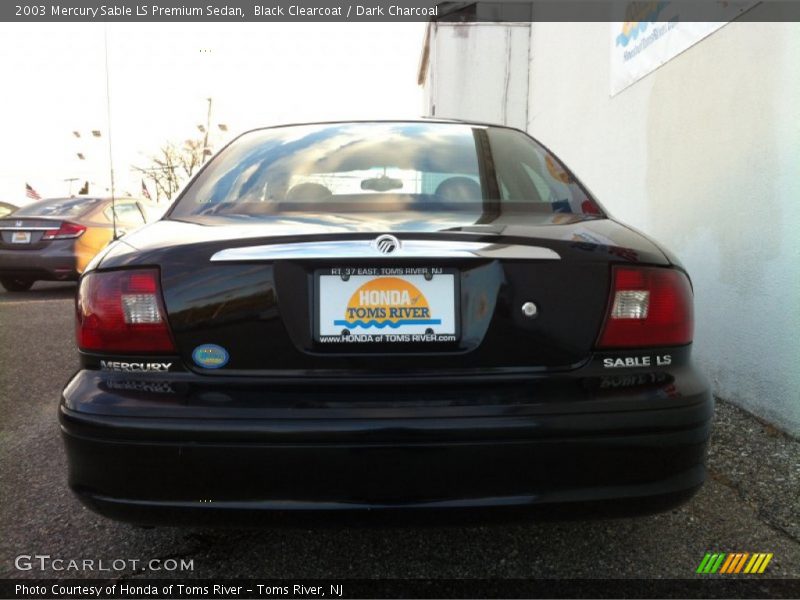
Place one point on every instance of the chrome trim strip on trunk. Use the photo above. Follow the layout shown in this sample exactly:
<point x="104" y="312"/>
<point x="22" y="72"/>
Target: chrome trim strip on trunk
<point x="27" y="228"/>
<point x="432" y="249"/>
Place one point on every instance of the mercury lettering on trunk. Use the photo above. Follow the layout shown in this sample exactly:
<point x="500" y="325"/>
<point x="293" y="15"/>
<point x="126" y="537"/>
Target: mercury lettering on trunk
<point x="134" y="367"/>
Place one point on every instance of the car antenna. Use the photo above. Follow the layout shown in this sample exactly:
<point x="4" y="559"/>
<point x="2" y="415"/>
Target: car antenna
<point x="110" y="152"/>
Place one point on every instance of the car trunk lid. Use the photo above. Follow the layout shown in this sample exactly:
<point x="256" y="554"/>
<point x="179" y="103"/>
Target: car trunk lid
<point x="27" y="233"/>
<point x="260" y="293"/>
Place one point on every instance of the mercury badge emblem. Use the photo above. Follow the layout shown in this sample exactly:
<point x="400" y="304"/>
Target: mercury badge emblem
<point x="18" y="224"/>
<point x="386" y="244"/>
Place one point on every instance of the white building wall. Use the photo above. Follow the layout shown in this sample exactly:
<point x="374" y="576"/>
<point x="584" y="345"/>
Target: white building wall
<point x="703" y="154"/>
<point x="478" y="71"/>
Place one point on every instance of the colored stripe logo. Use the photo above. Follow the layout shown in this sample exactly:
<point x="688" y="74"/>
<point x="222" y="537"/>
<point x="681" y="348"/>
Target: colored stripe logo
<point x="387" y="302"/>
<point x="734" y="563"/>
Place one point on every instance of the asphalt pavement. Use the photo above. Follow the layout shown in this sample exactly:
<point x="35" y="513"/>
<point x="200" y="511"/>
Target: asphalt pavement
<point x="751" y="502"/>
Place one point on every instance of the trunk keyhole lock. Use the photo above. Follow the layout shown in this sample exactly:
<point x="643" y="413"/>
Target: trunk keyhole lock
<point x="529" y="310"/>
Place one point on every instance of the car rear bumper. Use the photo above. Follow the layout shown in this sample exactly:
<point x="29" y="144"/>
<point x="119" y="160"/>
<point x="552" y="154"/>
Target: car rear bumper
<point x="237" y="461"/>
<point x="56" y="262"/>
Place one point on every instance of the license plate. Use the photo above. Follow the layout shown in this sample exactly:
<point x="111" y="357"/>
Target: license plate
<point x="21" y="237"/>
<point x="386" y="305"/>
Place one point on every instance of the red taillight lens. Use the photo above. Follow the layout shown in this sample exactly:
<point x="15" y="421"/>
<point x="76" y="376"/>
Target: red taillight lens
<point x="67" y="231"/>
<point x="649" y="306"/>
<point x="122" y="311"/>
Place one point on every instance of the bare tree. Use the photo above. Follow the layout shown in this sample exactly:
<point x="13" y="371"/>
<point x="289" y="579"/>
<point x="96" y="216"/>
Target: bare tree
<point x="172" y="166"/>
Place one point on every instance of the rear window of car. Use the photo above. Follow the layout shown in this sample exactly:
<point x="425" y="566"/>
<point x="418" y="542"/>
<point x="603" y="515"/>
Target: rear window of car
<point x="526" y="172"/>
<point x="62" y="207"/>
<point x="126" y="212"/>
<point x="364" y="167"/>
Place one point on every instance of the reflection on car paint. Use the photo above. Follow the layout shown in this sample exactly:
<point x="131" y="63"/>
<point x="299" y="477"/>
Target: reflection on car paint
<point x="154" y="387"/>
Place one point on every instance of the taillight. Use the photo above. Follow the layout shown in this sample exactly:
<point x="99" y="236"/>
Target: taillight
<point x="67" y="231"/>
<point x="122" y="311"/>
<point x="649" y="306"/>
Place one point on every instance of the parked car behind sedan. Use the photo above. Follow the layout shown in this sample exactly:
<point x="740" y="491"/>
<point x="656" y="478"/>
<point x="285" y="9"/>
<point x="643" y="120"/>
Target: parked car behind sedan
<point x="54" y="239"/>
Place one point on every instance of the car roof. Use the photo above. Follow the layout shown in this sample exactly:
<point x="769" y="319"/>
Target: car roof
<point x="437" y="120"/>
<point x="88" y="199"/>
<point x="92" y="202"/>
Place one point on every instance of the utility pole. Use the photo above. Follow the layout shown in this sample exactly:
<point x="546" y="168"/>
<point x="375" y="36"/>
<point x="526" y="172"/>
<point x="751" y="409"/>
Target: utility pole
<point x="70" y="180"/>
<point x="208" y="125"/>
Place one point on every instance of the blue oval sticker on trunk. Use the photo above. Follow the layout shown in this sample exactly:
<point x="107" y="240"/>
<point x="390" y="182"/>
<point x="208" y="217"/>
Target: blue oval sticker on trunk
<point x="210" y="356"/>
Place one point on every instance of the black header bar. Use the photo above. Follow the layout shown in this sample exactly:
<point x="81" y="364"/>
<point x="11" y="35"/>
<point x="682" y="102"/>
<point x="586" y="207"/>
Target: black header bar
<point x="336" y="589"/>
<point x="241" y="11"/>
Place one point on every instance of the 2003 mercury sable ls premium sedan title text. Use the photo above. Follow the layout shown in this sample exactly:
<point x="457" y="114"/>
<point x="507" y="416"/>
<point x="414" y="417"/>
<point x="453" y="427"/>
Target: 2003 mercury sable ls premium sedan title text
<point x="384" y="315"/>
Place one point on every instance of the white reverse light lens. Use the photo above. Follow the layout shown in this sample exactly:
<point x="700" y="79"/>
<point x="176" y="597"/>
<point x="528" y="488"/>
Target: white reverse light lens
<point x="631" y="304"/>
<point x="140" y="308"/>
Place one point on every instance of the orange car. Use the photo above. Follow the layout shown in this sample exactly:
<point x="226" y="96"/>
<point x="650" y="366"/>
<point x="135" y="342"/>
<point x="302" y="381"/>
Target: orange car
<point x="54" y="239"/>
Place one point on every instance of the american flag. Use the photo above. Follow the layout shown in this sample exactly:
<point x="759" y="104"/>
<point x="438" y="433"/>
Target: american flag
<point x="31" y="193"/>
<point x="145" y="193"/>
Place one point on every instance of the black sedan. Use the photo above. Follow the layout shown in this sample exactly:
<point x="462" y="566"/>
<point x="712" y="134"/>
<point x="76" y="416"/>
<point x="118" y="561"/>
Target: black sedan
<point x="428" y="317"/>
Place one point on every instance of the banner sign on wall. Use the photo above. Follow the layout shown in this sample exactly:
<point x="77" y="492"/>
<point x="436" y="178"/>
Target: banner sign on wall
<point x="654" y="33"/>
